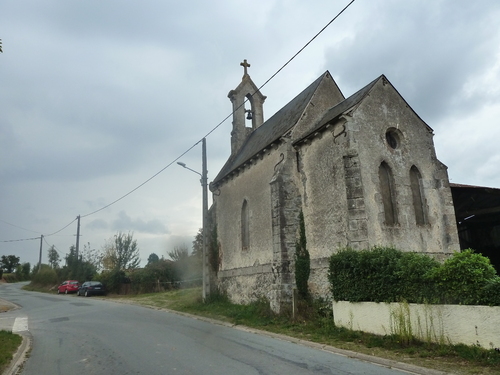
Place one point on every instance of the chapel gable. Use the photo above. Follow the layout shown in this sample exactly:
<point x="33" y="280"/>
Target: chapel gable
<point x="295" y="118"/>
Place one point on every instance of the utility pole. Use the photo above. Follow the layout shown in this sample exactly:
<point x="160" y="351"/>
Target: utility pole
<point x="77" y="236"/>
<point x="204" y="184"/>
<point x="40" y="257"/>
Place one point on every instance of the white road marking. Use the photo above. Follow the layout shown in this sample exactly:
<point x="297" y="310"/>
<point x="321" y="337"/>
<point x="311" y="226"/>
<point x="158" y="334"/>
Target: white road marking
<point x="20" y="325"/>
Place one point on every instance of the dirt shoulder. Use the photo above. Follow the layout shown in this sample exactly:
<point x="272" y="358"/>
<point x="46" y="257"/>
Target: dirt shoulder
<point x="5" y="305"/>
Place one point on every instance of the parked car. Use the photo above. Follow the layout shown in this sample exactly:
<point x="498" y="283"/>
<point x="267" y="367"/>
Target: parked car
<point x="89" y="288"/>
<point x="68" y="286"/>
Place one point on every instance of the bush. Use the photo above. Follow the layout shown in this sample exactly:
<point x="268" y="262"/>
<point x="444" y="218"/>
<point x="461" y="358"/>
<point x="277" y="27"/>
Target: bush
<point x="155" y="277"/>
<point x="390" y="275"/>
<point x="10" y="277"/>
<point x="23" y="271"/>
<point x="490" y="293"/>
<point x="462" y="277"/>
<point x="46" y="276"/>
<point x="142" y="281"/>
<point x="302" y="261"/>
<point x="78" y="270"/>
<point x="415" y="281"/>
<point x="381" y="275"/>
<point x="112" y="280"/>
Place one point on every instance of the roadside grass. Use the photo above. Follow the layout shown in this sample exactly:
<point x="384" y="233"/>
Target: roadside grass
<point x="316" y="324"/>
<point x="39" y="288"/>
<point x="9" y="342"/>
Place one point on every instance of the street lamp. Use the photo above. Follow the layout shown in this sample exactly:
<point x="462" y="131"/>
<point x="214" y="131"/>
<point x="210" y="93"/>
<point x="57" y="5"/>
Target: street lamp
<point x="204" y="186"/>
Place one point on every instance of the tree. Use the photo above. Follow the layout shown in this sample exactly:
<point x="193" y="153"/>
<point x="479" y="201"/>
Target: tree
<point x="179" y="253"/>
<point x="54" y="257"/>
<point x="108" y="255"/>
<point x="71" y="258"/>
<point x="92" y="256"/>
<point x="122" y="253"/>
<point x="153" y="258"/>
<point x="23" y="271"/>
<point x="9" y="263"/>
<point x="198" y="244"/>
<point x="76" y="268"/>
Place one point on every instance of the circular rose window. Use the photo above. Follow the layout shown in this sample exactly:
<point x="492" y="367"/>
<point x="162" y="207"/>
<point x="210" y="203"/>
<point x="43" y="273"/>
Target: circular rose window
<point x="392" y="137"/>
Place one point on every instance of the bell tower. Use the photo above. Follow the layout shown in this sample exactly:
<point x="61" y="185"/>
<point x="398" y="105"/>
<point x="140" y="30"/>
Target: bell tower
<point x="247" y="105"/>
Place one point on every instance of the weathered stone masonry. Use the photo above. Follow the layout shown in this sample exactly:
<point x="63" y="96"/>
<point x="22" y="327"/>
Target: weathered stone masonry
<point x="333" y="159"/>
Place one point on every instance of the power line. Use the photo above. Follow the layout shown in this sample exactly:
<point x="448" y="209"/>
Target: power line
<point x="145" y="182"/>
<point x="52" y="246"/>
<point x="225" y="119"/>
<point x="48" y="235"/>
<point x="284" y="65"/>
<point x="17" y="226"/>
<point x="210" y="132"/>
<point x="22" y="239"/>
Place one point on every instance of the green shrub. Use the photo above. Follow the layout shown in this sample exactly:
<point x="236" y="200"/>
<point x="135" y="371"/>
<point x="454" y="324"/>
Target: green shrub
<point x="381" y="275"/>
<point x="390" y="275"/>
<point x="46" y="276"/>
<point x="10" y="277"/>
<point x="23" y="271"/>
<point x="302" y="261"/>
<point x="77" y="270"/>
<point x="415" y="278"/>
<point x="490" y="293"/>
<point x="154" y="277"/>
<point x="213" y="250"/>
<point x="142" y="281"/>
<point x="163" y="270"/>
<point x="165" y="274"/>
<point x="112" y="279"/>
<point x="463" y="276"/>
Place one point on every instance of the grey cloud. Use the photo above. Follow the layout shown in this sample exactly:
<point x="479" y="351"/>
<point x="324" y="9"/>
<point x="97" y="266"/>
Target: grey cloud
<point x="98" y="224"/>
<point x="424" y="52"/>
<point x="127" y="224"/>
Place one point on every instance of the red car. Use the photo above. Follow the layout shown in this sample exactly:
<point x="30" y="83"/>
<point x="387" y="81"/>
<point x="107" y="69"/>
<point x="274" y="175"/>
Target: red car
<point x="68" y="286"/>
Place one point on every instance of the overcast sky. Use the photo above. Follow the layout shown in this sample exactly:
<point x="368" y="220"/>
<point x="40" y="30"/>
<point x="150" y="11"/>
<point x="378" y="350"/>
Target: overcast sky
<point x="96" y="97"/>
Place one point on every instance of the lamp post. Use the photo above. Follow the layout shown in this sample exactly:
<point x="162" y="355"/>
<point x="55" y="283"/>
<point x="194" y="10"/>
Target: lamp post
<point x="204" y="185"/>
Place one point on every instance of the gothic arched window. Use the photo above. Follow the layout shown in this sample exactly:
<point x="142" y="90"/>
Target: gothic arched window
<point x="418" y="198"/>
<point x="245" y="226"/>
<point x="388" y="194"/>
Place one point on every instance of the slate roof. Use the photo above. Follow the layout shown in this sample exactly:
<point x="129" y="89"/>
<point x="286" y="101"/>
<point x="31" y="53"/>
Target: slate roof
<point x="287" y="117"/>
<point x="271" y="130"/>
<point x="341" y="108"/>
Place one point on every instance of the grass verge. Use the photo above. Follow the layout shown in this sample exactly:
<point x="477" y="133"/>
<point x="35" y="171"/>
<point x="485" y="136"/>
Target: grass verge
<point x="9" y="343"/>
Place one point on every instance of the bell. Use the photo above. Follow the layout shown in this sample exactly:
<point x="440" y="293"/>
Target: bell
<point x="249" y="115"/>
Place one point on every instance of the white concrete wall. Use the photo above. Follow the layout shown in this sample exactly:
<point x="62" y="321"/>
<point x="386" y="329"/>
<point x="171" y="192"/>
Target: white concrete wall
<point x="470" y="325"/>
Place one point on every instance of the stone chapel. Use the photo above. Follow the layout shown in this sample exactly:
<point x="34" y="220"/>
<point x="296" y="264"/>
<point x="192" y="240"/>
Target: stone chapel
<point x="363" y="171"/>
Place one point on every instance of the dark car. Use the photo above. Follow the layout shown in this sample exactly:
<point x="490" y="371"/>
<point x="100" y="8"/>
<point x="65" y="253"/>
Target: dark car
<point x="68" y="286"/>
<point x="89" y="288"/>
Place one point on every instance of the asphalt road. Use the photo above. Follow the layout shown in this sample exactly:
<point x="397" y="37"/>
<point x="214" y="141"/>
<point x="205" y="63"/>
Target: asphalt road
<point x="78" y="335"/>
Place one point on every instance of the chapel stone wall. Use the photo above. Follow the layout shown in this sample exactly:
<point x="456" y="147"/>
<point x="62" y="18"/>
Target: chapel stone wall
<point x="246" y="274"/>
<point x="385" y="111"/>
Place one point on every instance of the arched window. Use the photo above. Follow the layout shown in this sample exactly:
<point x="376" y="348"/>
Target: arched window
<point x="418" y="198"/>
<point x="388" y="194"/>
<point x="245" y="226"/>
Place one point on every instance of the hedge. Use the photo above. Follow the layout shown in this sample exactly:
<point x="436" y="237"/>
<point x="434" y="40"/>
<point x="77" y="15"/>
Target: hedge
<point x="384" y="274"/>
